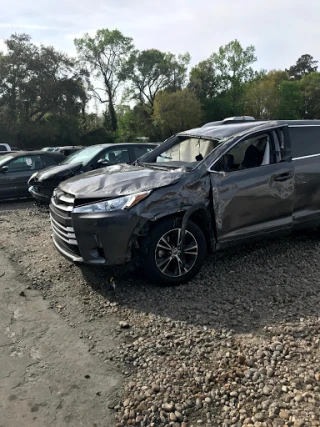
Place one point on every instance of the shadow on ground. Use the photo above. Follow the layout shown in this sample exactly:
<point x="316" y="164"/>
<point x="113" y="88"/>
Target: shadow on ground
<point x="243" y="288"/>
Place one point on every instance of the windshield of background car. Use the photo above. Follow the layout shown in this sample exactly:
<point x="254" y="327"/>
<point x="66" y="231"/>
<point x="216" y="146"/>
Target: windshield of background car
<point x="4" y="158"/>
<point x="188" y="151"/>
<point x="83" y="156"/>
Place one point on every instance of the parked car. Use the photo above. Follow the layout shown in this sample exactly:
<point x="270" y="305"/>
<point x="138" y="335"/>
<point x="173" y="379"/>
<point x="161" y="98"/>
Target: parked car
<point x="16" y="169"/>
<point x="5" y="153"/>
<point x="68" y="150"/>
<point x="89" y="158"/>
<point x="4" y="147"/>
<point x="198" y="192"/>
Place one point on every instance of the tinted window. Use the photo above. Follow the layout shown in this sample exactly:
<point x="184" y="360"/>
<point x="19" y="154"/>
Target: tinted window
<point x="305" y="141"/>
<point x="250" y="153"/>
<point x="3" y="147"/>
<point x="25" y="163"/>
<point x="83" y="156"/>
<point x="140" y="151"/>
<point x="48" y="161"/>
<point x="120" y="155"/>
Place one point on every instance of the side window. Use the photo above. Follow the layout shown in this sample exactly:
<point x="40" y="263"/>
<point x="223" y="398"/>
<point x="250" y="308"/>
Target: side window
<point x="250" y="153"/>
<point x="48" y="161"/>
<point x="140" y="151"/>
<point x="115" y="156"/>
<point x="305" y="141"/>
<point x="25" y="163"/>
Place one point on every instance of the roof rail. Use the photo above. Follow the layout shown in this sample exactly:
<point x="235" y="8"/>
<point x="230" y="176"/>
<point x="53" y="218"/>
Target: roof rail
<point x="235" y="119"/>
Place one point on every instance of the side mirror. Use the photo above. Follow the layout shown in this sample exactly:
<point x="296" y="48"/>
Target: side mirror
<point x="4" y="169"/>
<point x="102" y="162"/>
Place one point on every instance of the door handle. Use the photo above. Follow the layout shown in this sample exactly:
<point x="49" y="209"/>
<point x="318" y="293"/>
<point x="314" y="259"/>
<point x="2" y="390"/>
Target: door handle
<point x="284" y="176"/>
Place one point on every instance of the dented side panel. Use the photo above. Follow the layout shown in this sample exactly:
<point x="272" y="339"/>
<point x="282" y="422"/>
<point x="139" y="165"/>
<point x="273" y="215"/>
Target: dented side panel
<point x="253" y="201"/>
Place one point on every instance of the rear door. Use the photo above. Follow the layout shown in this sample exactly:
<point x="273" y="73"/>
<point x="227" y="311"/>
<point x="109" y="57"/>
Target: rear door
<point x="305" y="145"/>
<point x="14" y="182"/>
<point x="253" y="187"/>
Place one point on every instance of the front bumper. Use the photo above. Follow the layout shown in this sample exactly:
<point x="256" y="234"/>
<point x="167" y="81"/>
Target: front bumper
<point x="95" y="238"/>
<point x="41" y="194"/>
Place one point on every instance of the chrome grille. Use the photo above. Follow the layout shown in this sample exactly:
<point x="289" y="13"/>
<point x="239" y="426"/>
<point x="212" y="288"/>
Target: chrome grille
<point x="60" y="216"/>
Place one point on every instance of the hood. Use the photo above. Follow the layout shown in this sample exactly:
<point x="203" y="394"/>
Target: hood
<point x="119" y="180"/>
<point x="56" y="172"/>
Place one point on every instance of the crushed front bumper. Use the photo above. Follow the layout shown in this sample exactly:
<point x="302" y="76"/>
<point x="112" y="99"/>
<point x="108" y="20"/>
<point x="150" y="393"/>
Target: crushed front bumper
<point x="41" y="194"/>
<point x="95" y="238"/>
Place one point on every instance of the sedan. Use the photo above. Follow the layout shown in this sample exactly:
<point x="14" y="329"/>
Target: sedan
<point x="17" y="168"/>
<point x="90" y="158"/>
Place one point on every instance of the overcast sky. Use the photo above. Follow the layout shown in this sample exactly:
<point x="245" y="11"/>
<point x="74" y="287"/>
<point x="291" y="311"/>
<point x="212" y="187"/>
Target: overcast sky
<point x="281" y="30"/>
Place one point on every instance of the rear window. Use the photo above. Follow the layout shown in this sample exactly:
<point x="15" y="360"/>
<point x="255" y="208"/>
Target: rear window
<point x="305" y="141"/>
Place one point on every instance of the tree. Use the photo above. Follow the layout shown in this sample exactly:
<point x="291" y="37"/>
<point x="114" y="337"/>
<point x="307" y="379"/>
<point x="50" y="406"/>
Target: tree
<point x="310" y="86"/>
<point x="304" y="65"/>
<point x="40" y="88"/>
<point x="177" y="111"/>
<point x="262" y="97"/>
<point x="106" y="54"/>
<point x="152" y="71"/>
<point x="203" y="80"/>
<point x="233" y="68"/>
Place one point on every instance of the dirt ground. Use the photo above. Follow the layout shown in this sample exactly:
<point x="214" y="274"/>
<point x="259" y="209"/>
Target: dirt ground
<point x="237" y="346"/>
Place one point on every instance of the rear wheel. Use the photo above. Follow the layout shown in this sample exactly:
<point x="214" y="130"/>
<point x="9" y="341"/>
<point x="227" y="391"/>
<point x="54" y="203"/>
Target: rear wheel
<point x="161" y="257"/>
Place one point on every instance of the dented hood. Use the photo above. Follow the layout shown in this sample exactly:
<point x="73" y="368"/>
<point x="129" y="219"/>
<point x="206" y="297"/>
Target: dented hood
<point x="58" y="171"/>
<point x="119" y="180"/>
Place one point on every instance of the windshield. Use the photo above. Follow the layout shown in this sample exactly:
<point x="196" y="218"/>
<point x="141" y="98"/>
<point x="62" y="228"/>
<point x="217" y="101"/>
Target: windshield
<point x="4" y="158"/>
<point x="83" y="156"/>
<point x="187" y="152"/>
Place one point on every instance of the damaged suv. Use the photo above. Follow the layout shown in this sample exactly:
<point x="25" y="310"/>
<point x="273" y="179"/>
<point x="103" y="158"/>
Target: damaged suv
<point x="199" y="191"/>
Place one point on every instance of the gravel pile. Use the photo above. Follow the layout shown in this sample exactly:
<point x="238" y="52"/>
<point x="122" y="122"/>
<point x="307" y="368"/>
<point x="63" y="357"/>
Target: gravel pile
<point x="237" y="346"/>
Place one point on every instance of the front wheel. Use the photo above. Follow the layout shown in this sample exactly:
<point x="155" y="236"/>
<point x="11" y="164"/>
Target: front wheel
<point x="161" y="258"/>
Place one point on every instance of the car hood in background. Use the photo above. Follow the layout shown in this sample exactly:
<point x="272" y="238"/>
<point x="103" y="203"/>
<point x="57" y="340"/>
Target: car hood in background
<point x="56" y="172"/>
<point x="118" y="180"/>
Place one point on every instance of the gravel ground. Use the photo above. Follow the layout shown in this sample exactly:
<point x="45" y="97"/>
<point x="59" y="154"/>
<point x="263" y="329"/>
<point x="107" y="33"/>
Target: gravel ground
<point x="237" y="346"/>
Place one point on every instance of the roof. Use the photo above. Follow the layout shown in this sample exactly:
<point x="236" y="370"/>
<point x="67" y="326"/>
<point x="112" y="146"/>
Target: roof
<point x="214" y="131"/>
<point x="37" y="152"/>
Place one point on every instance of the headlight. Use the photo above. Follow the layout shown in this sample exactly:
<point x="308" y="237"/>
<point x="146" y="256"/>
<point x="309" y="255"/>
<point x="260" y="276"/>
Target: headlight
<point x="121" y="203"/>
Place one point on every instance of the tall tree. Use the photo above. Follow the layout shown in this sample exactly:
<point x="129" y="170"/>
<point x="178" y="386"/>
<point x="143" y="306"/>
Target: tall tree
<point x="38" y="82"/>
<point x="177" y="111"/>
<point x="203" y="80"/>
<point x="152" y="71"/>
<point x="106" y="54"/>
<point x="310" y="86"/>
<point x="306" y="64"/>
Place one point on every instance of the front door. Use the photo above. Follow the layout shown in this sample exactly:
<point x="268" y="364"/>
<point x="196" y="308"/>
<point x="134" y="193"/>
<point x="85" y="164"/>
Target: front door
<point x="14" y="182"/>
<point x="253" y="189"/>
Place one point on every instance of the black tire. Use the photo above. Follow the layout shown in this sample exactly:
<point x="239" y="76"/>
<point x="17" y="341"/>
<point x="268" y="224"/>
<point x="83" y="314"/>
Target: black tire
<point x="150" y="258"/>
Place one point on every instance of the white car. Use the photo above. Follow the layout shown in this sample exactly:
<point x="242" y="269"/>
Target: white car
<point x="4" y="147"/>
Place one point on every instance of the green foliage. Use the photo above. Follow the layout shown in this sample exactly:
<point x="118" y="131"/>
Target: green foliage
<point x="304" y="65"/>
<point x="46" y="97"/>
<point x="152" y="71"/>
<point x="106" y="55"/>
<point x="177" y="111"/>
<point x="310" y="86"/>
<point x="41" y="93"/>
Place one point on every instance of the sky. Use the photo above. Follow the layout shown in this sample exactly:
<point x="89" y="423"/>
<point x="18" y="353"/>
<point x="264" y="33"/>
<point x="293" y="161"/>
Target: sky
<point x="280" y="30"/>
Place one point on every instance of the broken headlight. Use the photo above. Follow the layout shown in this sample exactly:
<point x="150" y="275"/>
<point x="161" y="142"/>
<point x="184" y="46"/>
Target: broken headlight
<point x="120" y="203"/>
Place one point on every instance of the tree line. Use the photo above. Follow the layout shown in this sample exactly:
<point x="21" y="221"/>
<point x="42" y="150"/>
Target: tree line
<point x="48" y="98"/>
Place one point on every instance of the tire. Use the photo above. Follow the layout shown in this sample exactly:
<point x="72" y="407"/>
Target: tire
<point x="159" y="253"/>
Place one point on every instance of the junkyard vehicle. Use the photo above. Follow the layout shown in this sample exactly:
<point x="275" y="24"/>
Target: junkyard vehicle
<point x="16" y="169"/>
<point x="199" y="191"/>
<point x="96" y="156"/>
